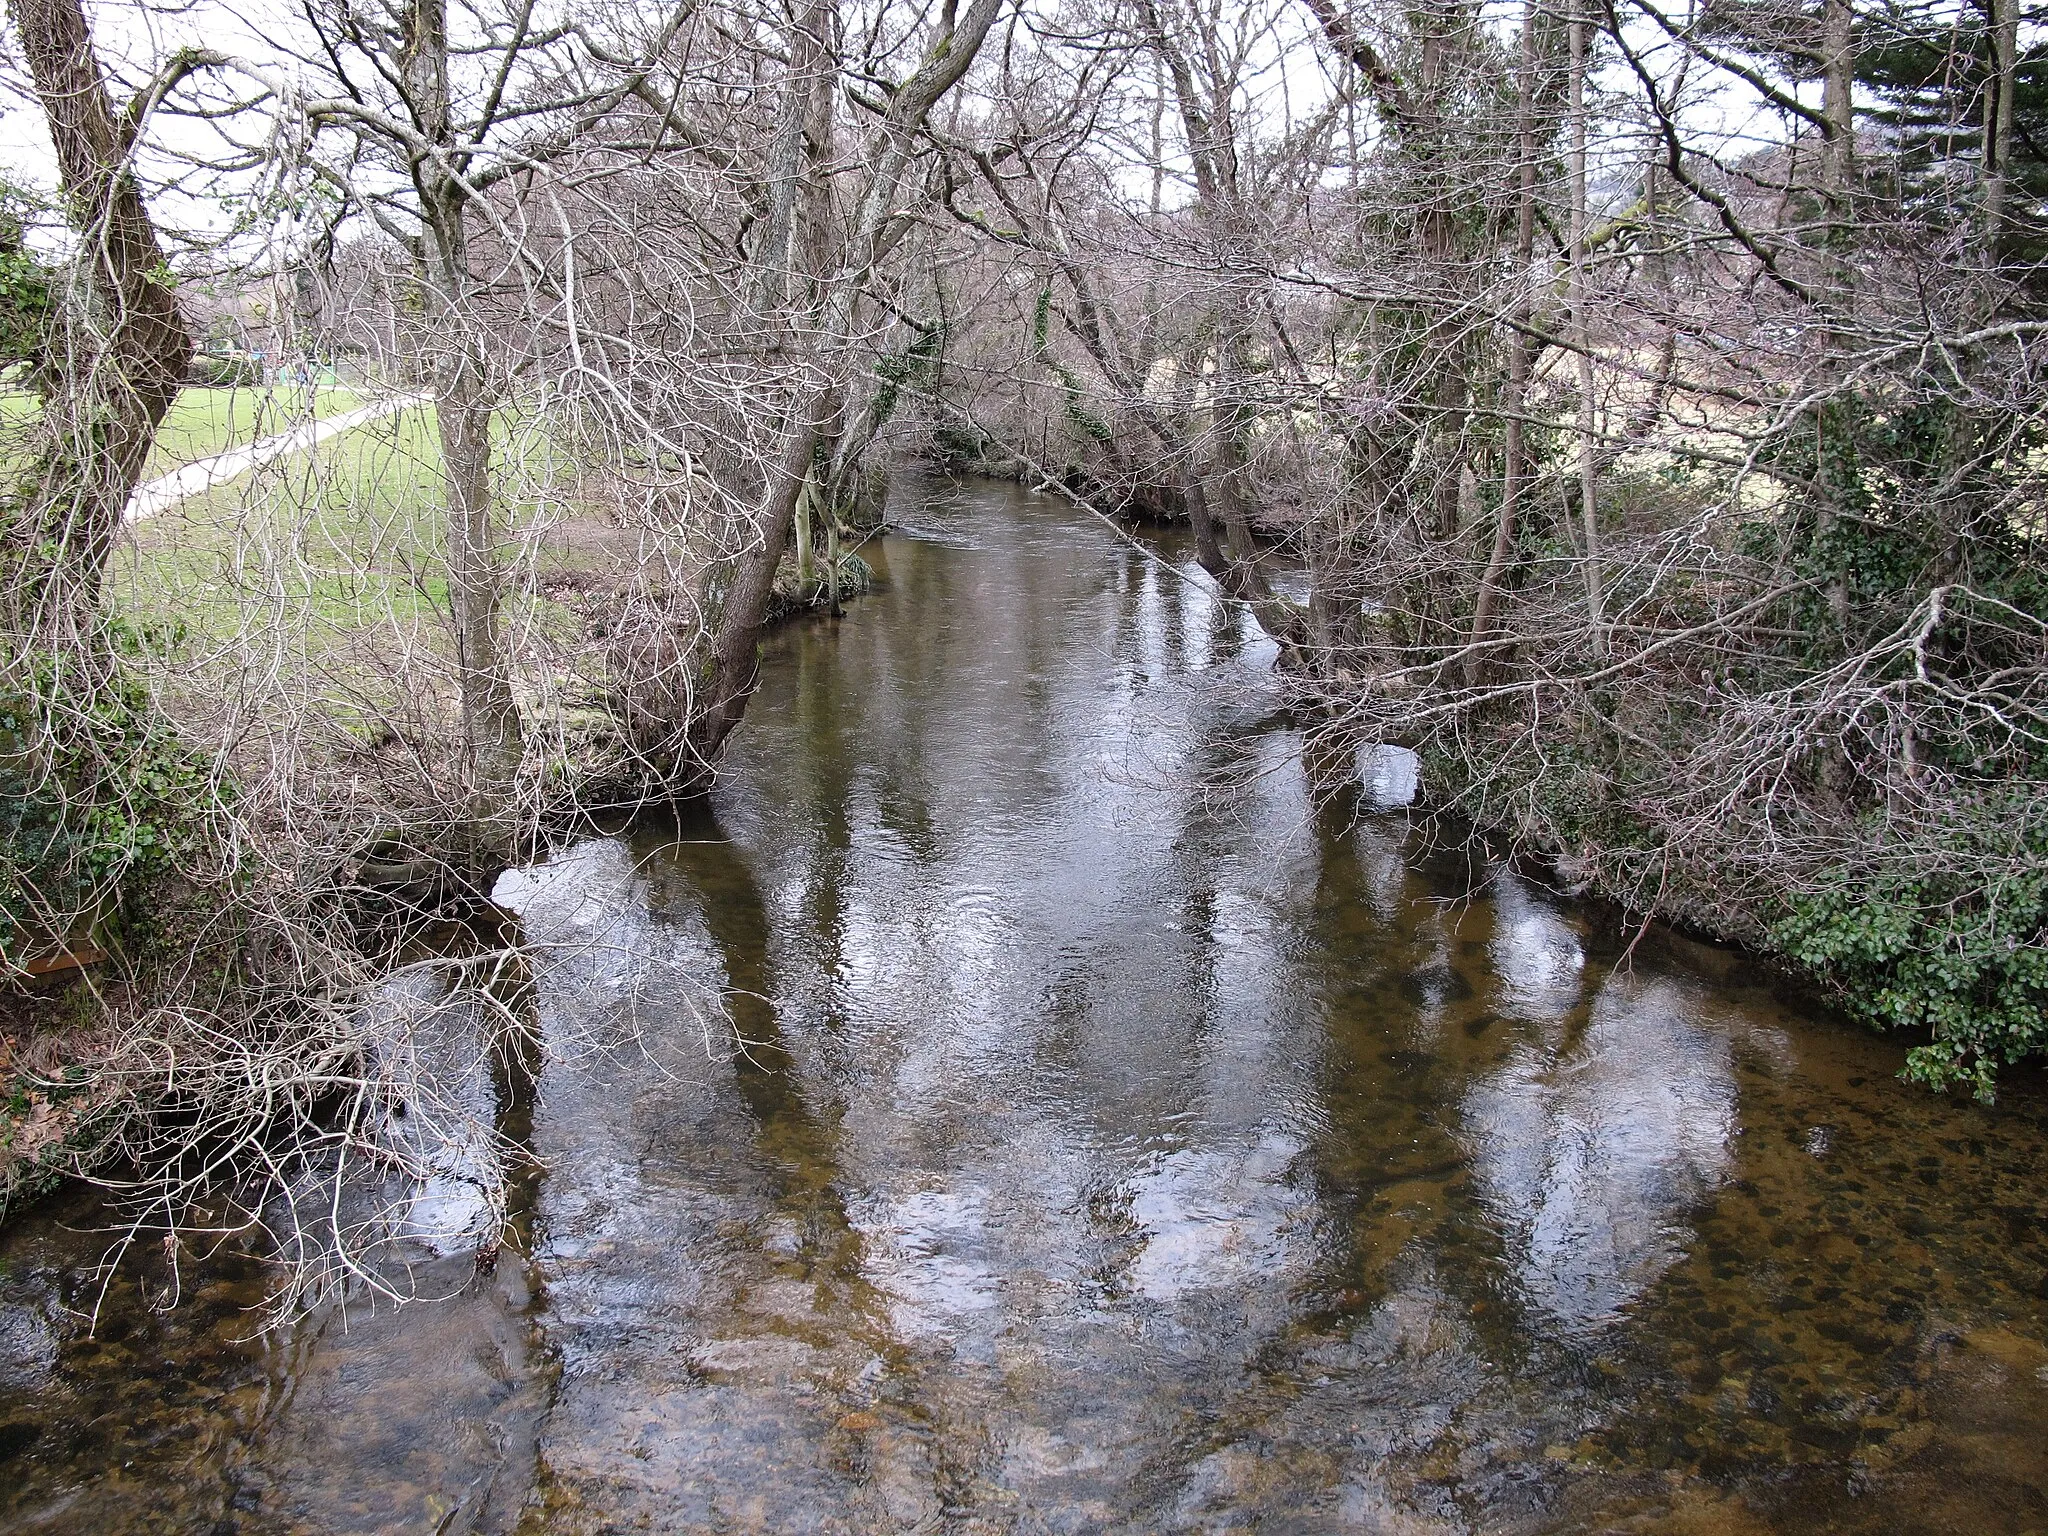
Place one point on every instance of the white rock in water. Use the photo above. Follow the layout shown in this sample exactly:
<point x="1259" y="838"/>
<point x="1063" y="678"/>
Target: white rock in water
<point x="1389" y="776"/>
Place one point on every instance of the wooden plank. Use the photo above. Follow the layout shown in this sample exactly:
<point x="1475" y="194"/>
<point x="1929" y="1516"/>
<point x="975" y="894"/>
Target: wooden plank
<point x="64" y="960"/>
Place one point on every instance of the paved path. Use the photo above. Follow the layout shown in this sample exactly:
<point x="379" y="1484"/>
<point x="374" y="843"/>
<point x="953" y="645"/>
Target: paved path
<point x="160" y="495"/>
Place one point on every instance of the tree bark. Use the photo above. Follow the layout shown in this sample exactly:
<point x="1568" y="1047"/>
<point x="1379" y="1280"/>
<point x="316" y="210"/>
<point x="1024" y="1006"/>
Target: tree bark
<point x="119" y="354"/>
<point x="1838" y="110"/>
<point x="1224" y="499"/>
<point x="462" y="409"/>
<point x="734" y="663"/>
<point x="1999" y="120"/>
<point x="1515" y="397"/>
<point x="491" y="737"/>
<point x="1589" y="441"/>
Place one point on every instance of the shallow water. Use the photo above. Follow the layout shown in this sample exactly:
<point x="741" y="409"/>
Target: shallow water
<point x="1120" y="1143"/>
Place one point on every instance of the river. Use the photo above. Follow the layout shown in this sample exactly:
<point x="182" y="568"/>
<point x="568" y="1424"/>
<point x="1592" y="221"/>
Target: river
<point x="1122" y="1142"/>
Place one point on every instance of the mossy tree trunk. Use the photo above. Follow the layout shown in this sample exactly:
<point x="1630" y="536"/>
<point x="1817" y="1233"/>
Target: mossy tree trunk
<point x="115" y="356"/>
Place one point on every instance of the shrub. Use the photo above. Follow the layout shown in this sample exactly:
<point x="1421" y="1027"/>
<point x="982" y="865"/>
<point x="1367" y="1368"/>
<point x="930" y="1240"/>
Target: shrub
<point x="1964" y="965"/>
<point x="99" y="802"/>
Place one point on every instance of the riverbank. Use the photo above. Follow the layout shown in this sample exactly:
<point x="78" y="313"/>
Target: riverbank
<point x="1740" y="814"/>
<point x="72" y="1087"/>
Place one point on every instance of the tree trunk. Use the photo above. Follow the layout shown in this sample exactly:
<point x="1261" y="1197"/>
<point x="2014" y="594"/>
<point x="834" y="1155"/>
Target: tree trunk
<point x="1998" y="120"/>
<point x="1589" y="442"/>
<point x="1225" y="498"/>
<point x="1838" y="109"/>
<point x="462" y="408"/>
<point x="732" y="664"/>
<point x="117" y="359"/>
<point x="1515" y="401"/>
<point x="1177" y="440"/>
<point x="734" y="661"/>
<point x="805" y="94"/>
<point x="1241" y="577"/>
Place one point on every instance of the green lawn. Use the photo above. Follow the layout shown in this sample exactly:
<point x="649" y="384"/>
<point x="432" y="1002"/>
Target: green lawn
<point x="333" y="539"/>
<point x="330" y="561"/>
<point x="341" y="546"/>
<point x="206" y="420"/>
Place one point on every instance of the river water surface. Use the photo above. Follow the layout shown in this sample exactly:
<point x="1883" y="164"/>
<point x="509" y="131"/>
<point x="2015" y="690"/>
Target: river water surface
<point x="1120" y="1143"/>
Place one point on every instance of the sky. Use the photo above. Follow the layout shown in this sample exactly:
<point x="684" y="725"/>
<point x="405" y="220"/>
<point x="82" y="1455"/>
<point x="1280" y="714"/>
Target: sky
<point x="1723" y="114"/>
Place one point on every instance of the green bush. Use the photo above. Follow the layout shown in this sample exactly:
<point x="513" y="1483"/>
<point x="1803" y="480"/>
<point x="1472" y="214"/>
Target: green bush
<point x="27" y="299"/>
<point x="1965" y="968"/>
<point x="99" y="801"/>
